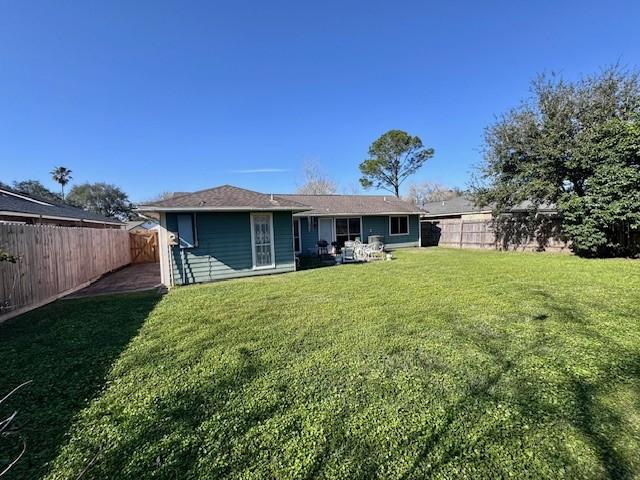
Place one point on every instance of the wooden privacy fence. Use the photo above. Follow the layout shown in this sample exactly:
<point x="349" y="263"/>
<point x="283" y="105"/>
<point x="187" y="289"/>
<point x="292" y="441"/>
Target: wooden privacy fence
<point x="54" y="261"/>
<point x="460" y="233"/>
<point x="144" y="247"/>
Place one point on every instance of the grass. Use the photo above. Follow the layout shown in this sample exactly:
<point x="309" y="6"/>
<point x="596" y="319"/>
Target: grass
<point x="441" y="363"/>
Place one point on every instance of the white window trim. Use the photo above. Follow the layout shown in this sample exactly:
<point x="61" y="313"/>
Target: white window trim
<point x="293" y="232"/>
<point x="253" y="242"/>
<point x="399" y="234"/>
<point x="333" y="228"/>
<point x="335" y="234"/>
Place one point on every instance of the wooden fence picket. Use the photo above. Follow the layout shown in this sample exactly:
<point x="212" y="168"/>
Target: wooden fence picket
<point x="54" y="261"/>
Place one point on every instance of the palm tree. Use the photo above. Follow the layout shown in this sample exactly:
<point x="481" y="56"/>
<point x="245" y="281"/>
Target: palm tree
<point x="62" y="175"/>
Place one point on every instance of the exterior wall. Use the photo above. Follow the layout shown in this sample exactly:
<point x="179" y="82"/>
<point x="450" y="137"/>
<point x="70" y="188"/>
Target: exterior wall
<point x="224" y="249"/>
<point x="371" y="225"/>
<point x="379" y="225"/>
<point x="308" y="237"/>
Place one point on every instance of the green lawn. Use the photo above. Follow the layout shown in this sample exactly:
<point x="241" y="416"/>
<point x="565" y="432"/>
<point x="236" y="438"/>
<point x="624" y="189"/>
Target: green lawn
<point x="441" y="363"/>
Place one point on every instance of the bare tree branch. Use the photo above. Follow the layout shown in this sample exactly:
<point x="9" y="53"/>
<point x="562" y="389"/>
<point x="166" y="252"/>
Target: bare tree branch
<point x="4" y="424"/>
<point x="315" y="182"/>
<point x="88" y="466"/>
<point x="15" y="390"/>
<point x="15" y="460"/>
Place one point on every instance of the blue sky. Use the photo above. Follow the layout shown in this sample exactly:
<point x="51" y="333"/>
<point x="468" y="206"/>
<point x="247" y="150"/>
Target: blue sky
<point x="177" y="96"/>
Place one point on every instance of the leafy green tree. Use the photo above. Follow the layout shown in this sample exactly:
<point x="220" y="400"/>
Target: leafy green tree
<point x="61" y="175"/>
<point x="574" y="145"/>
<point x="102" y="198"/>
<point x="392" y="158"/>
<point x="605" y="219"/>
<point x="36" y="189"/>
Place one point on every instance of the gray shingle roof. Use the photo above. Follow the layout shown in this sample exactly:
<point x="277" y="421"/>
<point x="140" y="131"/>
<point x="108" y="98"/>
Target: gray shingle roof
<point x="225" y="197"/>
<point x="16" y="202"/>
<point x="459" y="204"/>
<point x="353" y="204"/>
<point x="462" y="204"/>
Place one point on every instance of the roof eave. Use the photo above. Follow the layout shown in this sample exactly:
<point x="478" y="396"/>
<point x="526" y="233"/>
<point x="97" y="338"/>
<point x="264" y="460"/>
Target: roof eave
<point x="467" y="212"/>
<point x="151" y="208"/>
<point x="362" y="214"/>
<point x="56" y="217"/>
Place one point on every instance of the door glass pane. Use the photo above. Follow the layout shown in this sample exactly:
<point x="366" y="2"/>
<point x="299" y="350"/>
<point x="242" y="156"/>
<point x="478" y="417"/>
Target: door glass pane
<point x="262" y="238"/>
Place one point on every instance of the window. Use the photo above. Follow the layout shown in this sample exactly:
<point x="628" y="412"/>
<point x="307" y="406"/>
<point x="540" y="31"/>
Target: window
<point x="347" y="229"/>
<point x="296" y="235"/>
<point x="262" y="240"/>
<point x="399" y="225"/>
<point x="186" y="230"/>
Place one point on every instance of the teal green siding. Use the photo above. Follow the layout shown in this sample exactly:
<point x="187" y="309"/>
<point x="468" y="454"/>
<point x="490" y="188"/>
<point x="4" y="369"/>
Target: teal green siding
<point x="308" y="237"/>
<point x="224" y="248"/>
<point x="371" y="225"/>
<point x="379" y="225"/>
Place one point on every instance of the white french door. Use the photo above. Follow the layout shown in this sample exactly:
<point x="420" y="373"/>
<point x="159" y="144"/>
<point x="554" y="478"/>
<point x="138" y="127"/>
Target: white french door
<point x="262" y="240"/>
<point x="325" y="230"/>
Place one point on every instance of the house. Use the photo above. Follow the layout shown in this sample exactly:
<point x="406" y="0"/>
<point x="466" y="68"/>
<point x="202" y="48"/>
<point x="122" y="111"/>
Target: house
<point x="463" y="207"/>
<point x="459" y="206"/>
<point x="228" y="232"/>
<point x="17" y="207"/>
<point x="340" y="218"/>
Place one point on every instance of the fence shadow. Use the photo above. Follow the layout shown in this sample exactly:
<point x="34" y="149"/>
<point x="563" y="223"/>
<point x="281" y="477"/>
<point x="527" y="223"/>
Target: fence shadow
<point x="66" y="348"/>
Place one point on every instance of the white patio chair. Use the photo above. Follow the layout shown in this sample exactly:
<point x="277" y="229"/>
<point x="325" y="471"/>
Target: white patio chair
<point x="375" y="251"/>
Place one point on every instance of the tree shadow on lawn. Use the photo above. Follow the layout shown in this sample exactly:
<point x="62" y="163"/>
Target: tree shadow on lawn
<point x="195" y="427"/>
<point x="170" y="434"/>
<point x="66" y="348"/>
<point x="599" y="423"/>
<point x="578" y="404"/>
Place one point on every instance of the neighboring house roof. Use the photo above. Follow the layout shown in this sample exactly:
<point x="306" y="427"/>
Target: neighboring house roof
<point x="453" y="206"/>
<point x="462" y="205"/>
<point x="18" y="204"/>
<point x="134" y="224"/>
<point x="144" y="224"/>
<point x="224" y="198"/>
<point x="353" y="205"/>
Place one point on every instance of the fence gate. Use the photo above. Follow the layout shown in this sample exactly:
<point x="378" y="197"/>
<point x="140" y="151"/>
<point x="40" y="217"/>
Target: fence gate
<point x="144" y="247"/>
<point x="430" y="233"/>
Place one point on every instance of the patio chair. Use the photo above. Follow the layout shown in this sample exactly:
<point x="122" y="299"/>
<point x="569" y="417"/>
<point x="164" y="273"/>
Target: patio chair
<point x="360" y="251"/>
<point x="348" y="252"/>
<point x="375" y="251"/>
